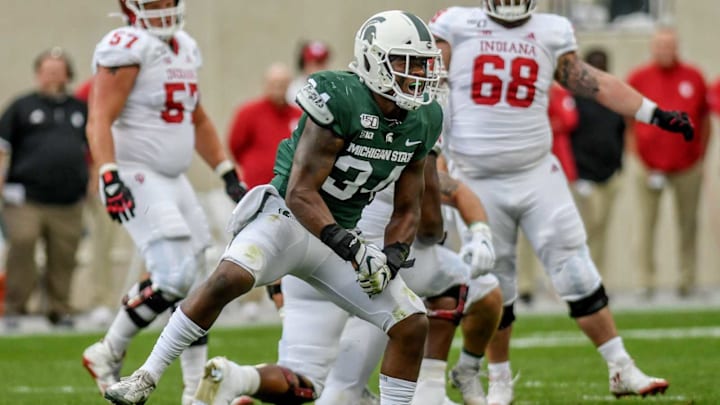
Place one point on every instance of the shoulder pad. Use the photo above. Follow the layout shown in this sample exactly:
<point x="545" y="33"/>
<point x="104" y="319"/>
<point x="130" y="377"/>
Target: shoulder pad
<point x="314" y="104"/>
<point x="120" y="47"/>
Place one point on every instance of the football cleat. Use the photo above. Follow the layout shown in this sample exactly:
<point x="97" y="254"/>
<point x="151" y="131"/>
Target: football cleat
<point x="214" y="388"/>
<point x="468" y="382"/>
<point x="500" y="389"/>
<point x="103" y="366"/>
<point x="133" y="390"/>
<point x="626" y="379"/>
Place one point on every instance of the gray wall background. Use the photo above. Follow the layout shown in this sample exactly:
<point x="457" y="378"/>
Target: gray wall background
<point x="239" y="38"/>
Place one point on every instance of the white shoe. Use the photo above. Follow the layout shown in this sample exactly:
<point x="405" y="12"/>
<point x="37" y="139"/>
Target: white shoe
<point x="500" y="389"/>
<point x="103" y="366"/>
<point x="368" y="398"/>
<point x="213" y="389"/>
<point x="448" y="401"/>
<point x="626" y="379"/>
<point x="133" y="390"/>
<point x="468" y="383"/>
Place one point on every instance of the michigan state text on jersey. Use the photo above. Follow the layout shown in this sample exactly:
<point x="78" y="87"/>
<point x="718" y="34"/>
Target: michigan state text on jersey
<point x="377" y="149"/>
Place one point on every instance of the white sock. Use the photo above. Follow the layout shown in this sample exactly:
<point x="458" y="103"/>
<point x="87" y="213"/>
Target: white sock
<point x="468" y="361"/>
<point x="192" y="362"/>
<point x="431" y="383"/>
<point x="121" y="332"/>
<point x="500" y="370"/>
<point x="394" y="391"/>
<point x="613" y="351"/>
<point x="178" y="334"/>
<point x="245" y="380"/>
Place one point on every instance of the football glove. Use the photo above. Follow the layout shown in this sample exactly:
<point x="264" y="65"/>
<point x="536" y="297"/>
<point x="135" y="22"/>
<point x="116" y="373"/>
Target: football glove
<point x="478" y="251"/>
<point x="674" y="121"/>
<point x="119" y="201"/>
<point x="369" y="262"/>
<point x="234" y="188"/>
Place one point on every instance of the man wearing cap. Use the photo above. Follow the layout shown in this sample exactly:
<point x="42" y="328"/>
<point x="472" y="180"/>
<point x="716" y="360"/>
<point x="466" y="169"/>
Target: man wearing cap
<point x="313" y="57"/>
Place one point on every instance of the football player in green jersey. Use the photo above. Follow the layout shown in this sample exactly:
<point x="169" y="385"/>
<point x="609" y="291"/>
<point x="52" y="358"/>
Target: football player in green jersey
<point x="360" y="132"/>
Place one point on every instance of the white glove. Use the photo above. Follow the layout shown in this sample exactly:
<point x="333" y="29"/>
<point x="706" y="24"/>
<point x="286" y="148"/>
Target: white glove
<point x="478" y="251"/>
<point x="373" y="273"/>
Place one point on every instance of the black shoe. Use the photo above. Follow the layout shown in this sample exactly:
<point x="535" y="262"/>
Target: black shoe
<point x="61" y="320"/>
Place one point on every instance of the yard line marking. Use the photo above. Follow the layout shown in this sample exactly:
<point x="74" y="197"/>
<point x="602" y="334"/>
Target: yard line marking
<point x="563" y="339"/>
<point x="63" y="389"/>
<point x="659" y="398"/>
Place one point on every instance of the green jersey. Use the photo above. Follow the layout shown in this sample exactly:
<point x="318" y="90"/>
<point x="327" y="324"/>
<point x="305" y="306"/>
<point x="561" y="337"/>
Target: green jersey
<point x="376" y="149"/>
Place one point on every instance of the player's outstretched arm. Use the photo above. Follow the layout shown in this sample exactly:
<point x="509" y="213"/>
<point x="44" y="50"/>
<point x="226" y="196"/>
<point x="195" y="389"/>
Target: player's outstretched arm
<point x="314" y="158"/>
<point x="430" y="229"/>
<point x="586" y="81"/>
<point x="110" y="91"/>
<point x="459" y="196"/>
<point x="405" y="218"/>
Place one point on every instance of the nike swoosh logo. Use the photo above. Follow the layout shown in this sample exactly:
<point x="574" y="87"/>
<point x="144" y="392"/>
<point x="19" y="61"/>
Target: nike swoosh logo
<point x="408" y="143"/>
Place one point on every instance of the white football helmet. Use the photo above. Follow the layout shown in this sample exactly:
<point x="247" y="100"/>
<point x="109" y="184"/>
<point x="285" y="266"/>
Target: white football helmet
<point x="397" y="34"/>
<point x="509" y="10"/>
<point x="137" y="15"/>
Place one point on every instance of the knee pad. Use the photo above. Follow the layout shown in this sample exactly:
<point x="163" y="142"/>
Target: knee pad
<point x="173" y="265"/>
<point x="575" y="277"/>
<point x="144" y="302"/>
<point x="508" y="316"/>
<point x="590" y="304"/>
<point x="458" y="292"/>
<point x="300" y="390"/>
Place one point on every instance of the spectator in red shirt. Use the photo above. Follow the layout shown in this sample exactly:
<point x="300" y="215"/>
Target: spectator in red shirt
<point x="260" y="124"/>
<point x="668" y="161"/>
<point x="714" y="97"/>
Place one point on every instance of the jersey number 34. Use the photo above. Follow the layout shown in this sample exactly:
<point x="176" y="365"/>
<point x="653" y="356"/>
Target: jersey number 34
<point x="487" y="87"/>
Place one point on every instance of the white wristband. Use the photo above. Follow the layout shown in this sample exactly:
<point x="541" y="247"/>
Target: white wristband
<point x="646" y="110"/>
<point x="224" y="167"/>
<point x="106" y="167"/>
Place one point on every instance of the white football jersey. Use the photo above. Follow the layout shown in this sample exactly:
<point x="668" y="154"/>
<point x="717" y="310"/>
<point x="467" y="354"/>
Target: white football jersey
<point x="499" y="79"/>
<point x="155" y="128"/>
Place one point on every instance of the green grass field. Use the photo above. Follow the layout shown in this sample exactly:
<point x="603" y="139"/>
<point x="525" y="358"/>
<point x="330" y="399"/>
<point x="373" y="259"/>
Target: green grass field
<point x="557" y="366"/>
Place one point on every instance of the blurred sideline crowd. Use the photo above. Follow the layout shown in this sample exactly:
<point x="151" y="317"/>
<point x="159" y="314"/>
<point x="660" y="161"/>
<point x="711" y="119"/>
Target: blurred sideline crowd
<point x="53" y="221"/>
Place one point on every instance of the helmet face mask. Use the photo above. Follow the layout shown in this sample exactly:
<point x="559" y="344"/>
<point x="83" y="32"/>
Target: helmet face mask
<point x="162" y="22"/>
<point x="509" y="10"/>
<point x="397" y="58"/>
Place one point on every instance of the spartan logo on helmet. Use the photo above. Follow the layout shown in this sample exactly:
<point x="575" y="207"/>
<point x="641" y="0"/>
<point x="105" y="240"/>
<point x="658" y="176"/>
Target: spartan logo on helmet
<point x="392" y="35"/>
<point x="370" y="30"/>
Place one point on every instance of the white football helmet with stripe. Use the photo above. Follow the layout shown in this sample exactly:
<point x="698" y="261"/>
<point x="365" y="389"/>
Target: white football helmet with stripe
<point x="388" y="35"/>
